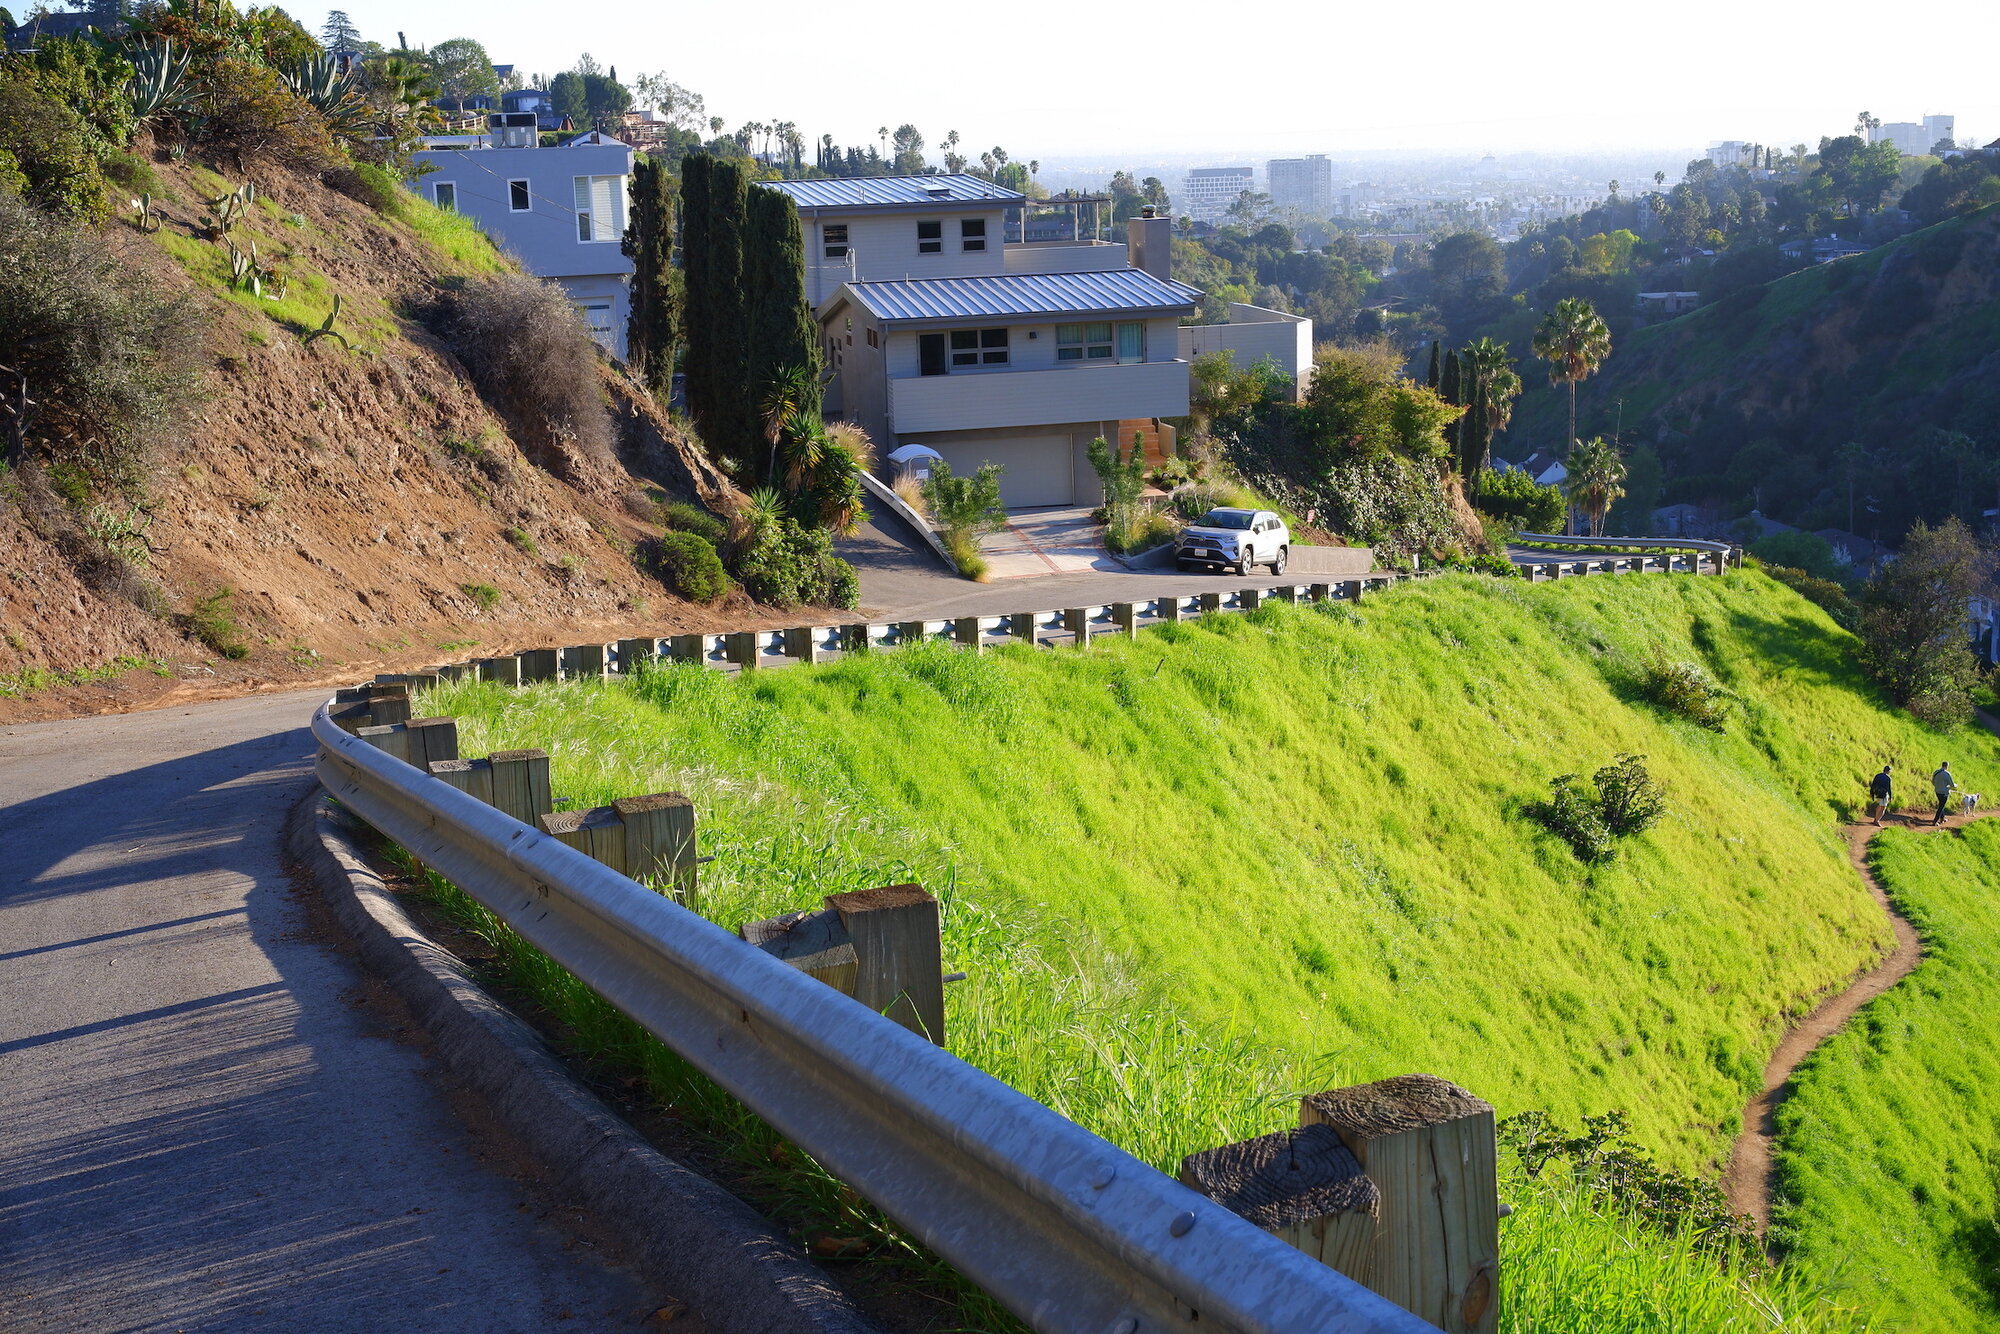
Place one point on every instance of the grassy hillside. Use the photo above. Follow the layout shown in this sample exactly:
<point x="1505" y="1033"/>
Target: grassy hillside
<point x="1750" y="397"/>
<point x="1889" y="1143"/>
<point x="1303" y="827"/>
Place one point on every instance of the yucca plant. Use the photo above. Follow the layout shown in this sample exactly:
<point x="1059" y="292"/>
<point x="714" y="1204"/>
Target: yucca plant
<point x="158" y="85"/>
<point x="322" y="84"/>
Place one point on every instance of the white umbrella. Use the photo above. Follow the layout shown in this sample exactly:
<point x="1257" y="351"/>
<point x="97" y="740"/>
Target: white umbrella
<point x="906" y="453"/>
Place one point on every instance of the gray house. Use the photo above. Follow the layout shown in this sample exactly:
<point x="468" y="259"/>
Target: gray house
<point x="560" y="211"/>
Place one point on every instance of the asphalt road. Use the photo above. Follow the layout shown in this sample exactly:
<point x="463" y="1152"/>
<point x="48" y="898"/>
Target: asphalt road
<point x="206" y="1122"/>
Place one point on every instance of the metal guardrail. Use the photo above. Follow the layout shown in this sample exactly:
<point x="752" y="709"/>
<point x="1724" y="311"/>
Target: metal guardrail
<point x="1069" y="1232"/>
<point x="1629" y="543"/>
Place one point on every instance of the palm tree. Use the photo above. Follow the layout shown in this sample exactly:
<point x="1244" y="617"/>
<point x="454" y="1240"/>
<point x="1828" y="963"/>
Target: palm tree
<point x="1596" y="478"/>
<point x="1493" y="385"/>
<point x="1574" y="340"/>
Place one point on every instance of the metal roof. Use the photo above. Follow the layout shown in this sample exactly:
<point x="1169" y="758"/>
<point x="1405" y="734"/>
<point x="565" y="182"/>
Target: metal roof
<point x="1114" y="291"/>
<point x="894" y="191"/>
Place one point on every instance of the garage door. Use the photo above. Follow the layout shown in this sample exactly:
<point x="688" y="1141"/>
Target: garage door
<point x="1038" y="468"/>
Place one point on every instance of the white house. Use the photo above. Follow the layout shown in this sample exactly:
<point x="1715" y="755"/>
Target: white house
<point x="560" y="211"/>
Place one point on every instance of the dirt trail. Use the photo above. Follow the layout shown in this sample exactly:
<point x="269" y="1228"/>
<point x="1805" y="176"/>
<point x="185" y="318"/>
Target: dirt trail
<point x="1747" y="1182"/>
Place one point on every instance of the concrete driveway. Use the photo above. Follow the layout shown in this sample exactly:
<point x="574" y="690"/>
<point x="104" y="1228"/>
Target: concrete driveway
<point x="1042" y="542"/>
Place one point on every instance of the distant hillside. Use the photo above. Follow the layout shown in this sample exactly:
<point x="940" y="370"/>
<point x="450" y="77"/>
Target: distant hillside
<point x="1748" y="401"/>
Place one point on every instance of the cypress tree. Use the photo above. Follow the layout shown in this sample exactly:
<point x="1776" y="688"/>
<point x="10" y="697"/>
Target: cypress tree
<point x="1448" y="390"/>
<point x="654" y="326"/>
<point x="783" y="335"/>
<point x="1473" y="436"/>
<point x="698" y="286"/>
<point x="732" y="407"/>
<point x="1434" y="378"/>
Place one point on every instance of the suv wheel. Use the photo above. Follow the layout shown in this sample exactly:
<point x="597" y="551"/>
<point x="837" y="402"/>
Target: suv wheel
<point x="1243" y="562"/>
<point x="1278" y="561"/>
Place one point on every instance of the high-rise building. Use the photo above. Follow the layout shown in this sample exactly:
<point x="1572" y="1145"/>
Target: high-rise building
<point x="1938" y="128"/>
<point x="1914" y="138"/>
<point x="1303" y="183"/>
<point x="1207" y="192"/>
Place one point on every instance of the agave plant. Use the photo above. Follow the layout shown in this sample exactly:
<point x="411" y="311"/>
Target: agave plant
<point x="322" y="84"/>
<point x="158" y="86"/>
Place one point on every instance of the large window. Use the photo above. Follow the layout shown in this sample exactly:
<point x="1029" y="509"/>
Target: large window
<point x="979" y="347"/>
<point x="930" y="238"/>
<point x="972" y="233"/>
<point x="445" y="195"/>
<point x="518" y="199"/>
<point x="600" y="209"/>
<point x="1101" y="341"/>
<point x="833" y="240"/>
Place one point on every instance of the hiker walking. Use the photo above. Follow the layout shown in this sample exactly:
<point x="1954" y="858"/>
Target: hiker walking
<point x="1943" y="783"/>
<point x="1879" y="790"/>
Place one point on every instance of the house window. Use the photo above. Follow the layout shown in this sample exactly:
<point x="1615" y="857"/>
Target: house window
<point x="597" y="318"/>
<point x="930" y="354"/>
<point x="517" y="197"/>
<point x="1101" y="341"/>
<point x="833" y="240"/>
<point x="873" y="341"/>
<point x="600" y="208"/>
<point x="972" y="233"/>
<point x="979" y="347"/>
<point x="445" y="195"/>
<point x="930" y="238"/>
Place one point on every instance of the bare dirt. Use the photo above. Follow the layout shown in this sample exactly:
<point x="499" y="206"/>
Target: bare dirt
<point x="1747" y="1181"/>
<point x="369" y="510"/>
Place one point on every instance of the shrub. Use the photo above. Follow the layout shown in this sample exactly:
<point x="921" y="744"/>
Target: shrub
<point x="911" y="492"/>
<point x="686" y="562"/>
<point x="50" y="149"/>
<point x="1575" y="817"/>
<point x="963" y="548"/>
<point x="1799" y="551"/>
<point x="682" y="517"/>
<point x="1514" y="497"/>
<point x="484" y="596"/>
<point x="964" y="510"/>
<point x="1823" y="593"/>
<point x="1628" y="798"/>
<point x="788" y="564"/>
<point x="844" y="587"/>
<point x="111" y="361"/>
<point x="367" y="183"/>
<point x="212" y="620"/>
<point x="1683" y="688"/>
<point x="532" y="357"/>
<point x="522" y="539"/>
<point x="248" y="113"/>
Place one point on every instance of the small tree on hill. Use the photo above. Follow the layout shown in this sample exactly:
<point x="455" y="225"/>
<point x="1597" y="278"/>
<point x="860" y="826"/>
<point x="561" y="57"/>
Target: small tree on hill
<point x="1574" y="340"/>
<point x="339" y="32"/>
<point x="1913" y="621"/>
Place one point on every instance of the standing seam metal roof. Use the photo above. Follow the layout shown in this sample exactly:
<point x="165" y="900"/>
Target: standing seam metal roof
<point x="1108" y="291"/>
<point x="859" y="192"/>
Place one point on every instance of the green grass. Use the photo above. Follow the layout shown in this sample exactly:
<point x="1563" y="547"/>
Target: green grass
<point x="452" y="235"/>
<point x="31" y="679"/>
<point x="1890" y="1142"/>
<point x="1195" y="875"/>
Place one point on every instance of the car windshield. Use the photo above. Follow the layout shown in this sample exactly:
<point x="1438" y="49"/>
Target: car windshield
<point x="1227" y="519"/>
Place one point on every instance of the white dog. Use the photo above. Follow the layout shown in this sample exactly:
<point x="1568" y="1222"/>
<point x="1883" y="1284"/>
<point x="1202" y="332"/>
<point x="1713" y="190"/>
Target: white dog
<point x="1968" y="802"/>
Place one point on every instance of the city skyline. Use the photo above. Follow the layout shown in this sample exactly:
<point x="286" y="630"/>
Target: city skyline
<point x="912" y="71"/>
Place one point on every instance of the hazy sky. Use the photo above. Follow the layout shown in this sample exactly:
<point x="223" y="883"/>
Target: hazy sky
<point x="1065" y="80"/>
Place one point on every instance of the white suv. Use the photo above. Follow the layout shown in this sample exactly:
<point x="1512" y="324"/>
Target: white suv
<point x="1238" y="538"/>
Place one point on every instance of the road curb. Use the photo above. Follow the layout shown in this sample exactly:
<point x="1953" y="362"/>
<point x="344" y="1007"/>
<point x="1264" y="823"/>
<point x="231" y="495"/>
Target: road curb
<point x="705" y="1245"/>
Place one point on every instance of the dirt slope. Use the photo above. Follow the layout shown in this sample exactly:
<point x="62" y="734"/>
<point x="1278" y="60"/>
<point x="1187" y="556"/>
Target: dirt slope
<point x="366" y="505"/>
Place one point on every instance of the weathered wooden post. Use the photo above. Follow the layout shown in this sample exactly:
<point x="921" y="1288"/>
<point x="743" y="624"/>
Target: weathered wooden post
<point x="356" y="707"/>
<point x="472" y="777"/>
<point x="740" y="647"/>
<point x="1249" y="599"/>
<point x="802" y="643"/>
<point x="1076" y="620"/>
<point x="1125" y="616"/>
<point x="1024" y="626"/>
<point x="539" y="664"/>
<point x="635" y="836"/>
<point x="520" y="781"/>
<point x="815" y="943"/>
<point x="1207" y="602"/>
<point x="416" y="742"/>
<point x="456" y="671"/>
<point x="632" y="653"/>
<point x="1428" y="1146"/>
<point x="898" y="954"/>
<point x="507" y="671"/>
<point x="687" y="648"/>
<point x="1319" y="592"/>
<point x="583" y="662"/>
<point x="1167" y="608"/>
<point x="965" y="633"/>
<point x="1305" y="1186"/>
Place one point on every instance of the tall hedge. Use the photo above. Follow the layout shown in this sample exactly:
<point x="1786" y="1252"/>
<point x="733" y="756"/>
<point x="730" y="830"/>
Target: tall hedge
<point x="653" y="330"/>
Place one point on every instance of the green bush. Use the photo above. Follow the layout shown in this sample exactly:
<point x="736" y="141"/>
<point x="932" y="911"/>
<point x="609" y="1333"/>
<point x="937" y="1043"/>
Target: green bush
<point x="1830" y="597"/>
<point x="964" y="510"/>
<point x="789" y="564"/>
<point x="51" y="149"/>
<point x="1574" y="816"/>
<point x="484" y="596"/>
<point x="686" y="563"/>
<point x="212" y="620"/>
<point x="1798" y="551"/>
<point x="1684" y="688"/>
<point x="1628" y="797"/>
<point x="844" y="586"/>
<point x="249" y="113"/>
<point x="1514" y="497"/>
<point x="685" y="518"/>
<point x="370" y="184"/>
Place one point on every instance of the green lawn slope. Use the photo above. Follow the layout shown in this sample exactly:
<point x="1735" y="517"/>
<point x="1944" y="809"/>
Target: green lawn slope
<point x="1301" y="829"/>
<point x="1890" y="1143"/>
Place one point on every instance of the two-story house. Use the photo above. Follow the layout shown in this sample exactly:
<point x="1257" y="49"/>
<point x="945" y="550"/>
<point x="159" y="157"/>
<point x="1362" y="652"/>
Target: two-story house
<point x="940" y="332"/>
<point x="560" y="211"/>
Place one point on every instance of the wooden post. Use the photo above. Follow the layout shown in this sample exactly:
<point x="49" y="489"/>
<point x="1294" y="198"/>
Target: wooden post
<point x="1023" y="625"/>
<point x="687" y="648"/>
<point x="965" y="632"/>
<point x="1320" y="592"/>
<point x="520" y="780"/>
<point x="472" y="777"/>
<point x="597" y="833"/>
<point x="659" y="840"/>
<point x="1427" y="1144"/>
<point x="801" y="643"/>
<point x="909" y="632"/>
<point x="1208" y="602"/>
<point x="507" y="671"/>
<point x="813" y="942"/>
<point x="1304" y="1186"/>
<point x="1355" y="588"/>
<point x="539" y="664"/>
<point x="1167" y="608"/>
<point x="898" y="954"/>
<point x="416" y="742"/>
<point x="1249" y="599"/>
<point x="740" y="647"/>
<point x="583" y="661"/>
<point x="456" y="671"/>
<point x="633" y="652"/>
<point x="1076" y="620"/>
<point x="1126" y="617"/>
<point x="854" y="638"/>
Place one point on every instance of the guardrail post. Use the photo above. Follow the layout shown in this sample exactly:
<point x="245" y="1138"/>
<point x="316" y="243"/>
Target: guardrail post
<point x="815" y="943"/>
<point x="1167" y="608"/>
<point x="1428" y="1146"/>
<point x="356" y="707"/>
<point x="1076" y="620"/>
<point x="660" y="840"/>
<point x="632" y="652"/>
<point x="1021" y="625"/>
<point x="1207" y="602"/>
<point x="583" y="660"/>
<point x="965" y="633"/>
<point x="740" y="647"/>
<point x="1304" y="1186"/>
<point x="416" y="742"/>
<point x="1319" y="592"/>
<point x="456" y="671"/>
<point x="1249" y="599"/>
<point x="687" y="648"/>
<point x="507" y="671"/>
<point x="1126" y="617"/>
<point x="472" y="777"/>
<point x="801" y="644"/>
<point x="521" y="784"/>
<point x="539" y="664"/>
<point x="898" y="954"/>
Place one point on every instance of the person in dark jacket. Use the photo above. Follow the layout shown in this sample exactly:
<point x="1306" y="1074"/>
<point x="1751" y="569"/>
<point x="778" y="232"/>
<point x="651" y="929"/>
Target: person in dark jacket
<point x="1880" y="789"/>
<point x="1943" y="784"/>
